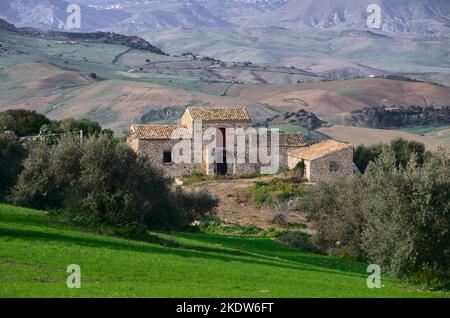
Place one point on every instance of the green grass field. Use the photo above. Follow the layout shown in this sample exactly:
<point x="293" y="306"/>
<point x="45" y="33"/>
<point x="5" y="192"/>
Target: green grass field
<point x="35" y="252"/>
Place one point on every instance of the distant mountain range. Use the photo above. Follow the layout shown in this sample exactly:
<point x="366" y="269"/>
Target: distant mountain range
<point x="424" y="17"/>
<point x="420" y="17"/>
<point x="52" y="14"/>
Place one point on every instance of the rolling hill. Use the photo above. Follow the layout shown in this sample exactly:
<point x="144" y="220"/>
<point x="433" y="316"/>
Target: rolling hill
<point x="118" y="84"/>
<point x="212" y="265"/>
<point x="55" y="79"/>
<point x="336" y="54"/>
<point x="337" y="97"/>
<point x="357" y="136"/>
<point x="327" y="37"/>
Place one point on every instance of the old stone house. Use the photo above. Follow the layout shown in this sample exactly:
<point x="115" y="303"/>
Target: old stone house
<point x="159" y="143"/>
<point x="323" y="159"/>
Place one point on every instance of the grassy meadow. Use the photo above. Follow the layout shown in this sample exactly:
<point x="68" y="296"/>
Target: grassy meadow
<point x="35" y="252"/>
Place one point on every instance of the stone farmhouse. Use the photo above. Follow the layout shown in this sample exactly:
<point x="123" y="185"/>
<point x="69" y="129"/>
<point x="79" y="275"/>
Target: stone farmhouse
<point x="158" y="142"/>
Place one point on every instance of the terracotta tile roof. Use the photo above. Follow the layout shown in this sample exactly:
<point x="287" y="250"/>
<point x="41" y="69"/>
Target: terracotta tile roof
<point x="218" y="114"/>
<point x="156" y="132"/>
<point x="319" y="150"/>
<point x="291" y="140"/>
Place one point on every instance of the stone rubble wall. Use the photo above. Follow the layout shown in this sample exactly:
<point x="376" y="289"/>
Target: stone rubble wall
<point x="319" y="169"/>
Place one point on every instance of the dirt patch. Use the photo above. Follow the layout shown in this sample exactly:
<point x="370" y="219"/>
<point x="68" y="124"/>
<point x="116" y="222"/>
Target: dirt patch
<point x="236" y="209"/>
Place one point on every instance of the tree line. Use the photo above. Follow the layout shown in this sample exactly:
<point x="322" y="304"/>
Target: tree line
<point x="385" y="117"/>
<point x="25" y="123"/>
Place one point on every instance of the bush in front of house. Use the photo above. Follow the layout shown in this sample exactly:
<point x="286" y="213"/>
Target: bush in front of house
<point x="12" y="154"/>
<point x="104" y="181"/>
<point x="335" y="209"/>
<point x="398" y="217"/>
<point x="187" y="207"/>
<point x="267" y="193"/>
<point x="408" y="215"/>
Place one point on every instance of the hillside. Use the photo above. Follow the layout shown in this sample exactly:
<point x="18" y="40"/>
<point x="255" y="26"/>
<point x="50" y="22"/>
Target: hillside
<point x="367" y="136"/>
<point x="117" y="85"/>
<point x="337" y="97"/>
<point x="55" y="78"/>
<point x="95" y="80"/>
<point x="133" y="42"/>
<point x="342" y="54"/>
<point x="212" y="265"/>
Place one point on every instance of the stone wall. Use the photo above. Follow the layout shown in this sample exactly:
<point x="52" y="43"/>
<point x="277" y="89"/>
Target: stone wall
<point x="320" y="169"/>
<point x="154" y="149"/>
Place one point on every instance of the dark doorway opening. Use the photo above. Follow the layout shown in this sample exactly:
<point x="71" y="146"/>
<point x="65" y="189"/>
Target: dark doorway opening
<point x="167" y="157"/>
<point x="222" y="169"/>
<point x="221" y="154"/>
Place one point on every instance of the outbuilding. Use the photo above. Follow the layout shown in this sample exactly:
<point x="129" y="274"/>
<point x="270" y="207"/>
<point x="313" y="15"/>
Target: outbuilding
<point x="321" y="160"/>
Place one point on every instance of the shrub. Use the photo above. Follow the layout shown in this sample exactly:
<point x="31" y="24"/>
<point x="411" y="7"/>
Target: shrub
<point x="12" y="154"/>
<point x="36" y="186"/>
<point x="281" y="209"/>
<point x="280" y="218"/>
<point x="22" y="122"/>
<point x="408" y="214"/>
<point x="104" y="181"/>
<point x="195" y="177"/>
<point x="186" y="207"/>
<point x="114" y="186"/>
<point x="89" y="127"/>
<point x="298" y="240"/>
<point x="399" y="217"/>
<point x="335" y="209"/>
<point x="402" y="149"/>
<point x="267" y="193"/>
<point x="363" y="155"/>
<point x="215" y="225"/>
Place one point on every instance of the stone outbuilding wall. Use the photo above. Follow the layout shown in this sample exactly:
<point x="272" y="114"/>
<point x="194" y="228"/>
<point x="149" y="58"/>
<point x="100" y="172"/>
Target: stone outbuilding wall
<point x="323" y="166"/>
<point x="154" y="151"/>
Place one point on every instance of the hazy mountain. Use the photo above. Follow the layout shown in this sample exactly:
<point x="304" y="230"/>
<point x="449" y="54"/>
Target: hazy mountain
<point x="52" y="14"/>
<point x="154" y="18"/>
<point x="239" y="11"/>
<point x="426" y="17"/>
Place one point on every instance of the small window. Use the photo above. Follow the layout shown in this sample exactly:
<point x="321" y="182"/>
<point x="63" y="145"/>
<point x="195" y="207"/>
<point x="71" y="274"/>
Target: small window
<point x="334" y="167"/>
<point x="167" y="157"/>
